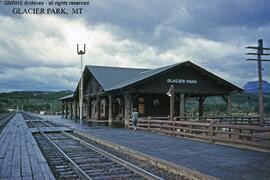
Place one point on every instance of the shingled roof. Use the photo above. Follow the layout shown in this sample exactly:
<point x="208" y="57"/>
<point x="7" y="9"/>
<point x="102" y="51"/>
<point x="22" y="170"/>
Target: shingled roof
<point x="113" y="78"/>
<point x="108" y="77"/>
<point x="142" y="76"/>
<point x="68" y="97"/>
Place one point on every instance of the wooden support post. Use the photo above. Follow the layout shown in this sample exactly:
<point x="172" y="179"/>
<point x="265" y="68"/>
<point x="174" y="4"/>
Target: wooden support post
<point x="182" y="106"/>
<point x="78" y="110"/>
<point x="63" y="109"/>
<point x="71" y="110"/>
<point x="66" y="113"/>
<point x="229" y="105"/>
<point x="201" y="100"/>
<point x="227" y="99"/>
<point x="171" y="103"/>
<point x="75" y="110"/>
<point x="133" y="98"/>
<point x="98" y="108"/>
<point x="127" y="98"/>
<point x="88" y="108"/>
<point x="110" y="110"/>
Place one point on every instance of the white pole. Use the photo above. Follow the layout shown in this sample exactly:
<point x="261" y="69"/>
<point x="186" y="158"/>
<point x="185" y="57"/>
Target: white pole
<point x="81" y="52"/>
<point x="81" y="91"/>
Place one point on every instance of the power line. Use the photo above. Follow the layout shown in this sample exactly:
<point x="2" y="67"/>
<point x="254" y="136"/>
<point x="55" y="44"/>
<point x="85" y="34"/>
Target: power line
<point x="259" y="53"/>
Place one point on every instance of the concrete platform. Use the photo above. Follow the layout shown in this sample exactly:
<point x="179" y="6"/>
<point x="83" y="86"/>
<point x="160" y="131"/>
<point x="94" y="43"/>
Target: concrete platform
<point x="20" y="156"/>
<point x="224" y="162"/>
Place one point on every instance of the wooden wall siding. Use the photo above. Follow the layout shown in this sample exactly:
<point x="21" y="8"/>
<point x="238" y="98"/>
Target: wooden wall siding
<point x="154" y="105"/>
<point x="103" y="109"/>
<point x="93" y="109"/>
<point x="118" y="108"/>
<point x="84" y="109"/>
<point x="91" y="85"/>
<point x="88" y="108"/>
<point x="204" y="85"/>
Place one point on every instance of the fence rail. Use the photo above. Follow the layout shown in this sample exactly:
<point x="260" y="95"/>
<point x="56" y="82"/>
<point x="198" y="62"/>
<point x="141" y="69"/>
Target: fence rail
<point x="236" y="120"/>
<point x="212" y="130"/>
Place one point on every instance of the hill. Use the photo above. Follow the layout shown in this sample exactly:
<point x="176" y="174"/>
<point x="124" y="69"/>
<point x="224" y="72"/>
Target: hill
<point x="252" y="87"/>
<point x="32" y="100"/>
<point x="242" y="104"/>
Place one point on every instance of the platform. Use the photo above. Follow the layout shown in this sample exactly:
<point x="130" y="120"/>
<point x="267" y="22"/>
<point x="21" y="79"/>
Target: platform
<point x="20" y="156"/>
<point x="50" y="129"/>
<point x="224" y="162"/>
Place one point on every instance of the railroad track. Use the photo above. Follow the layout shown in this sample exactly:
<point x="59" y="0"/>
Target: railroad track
<point x="4" y="121"/>
<point x="72" y="158"/>
<point x="28" y="116"/>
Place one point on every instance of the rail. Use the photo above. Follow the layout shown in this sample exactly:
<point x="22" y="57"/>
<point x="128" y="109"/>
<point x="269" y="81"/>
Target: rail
<point x="5" y="119"/>
<point x="211" y="130"/>
<point x="76" y="168"/>
<point x="236" y="120"/>
<point x="116" y="159"/>
<point x="72" y="164"/>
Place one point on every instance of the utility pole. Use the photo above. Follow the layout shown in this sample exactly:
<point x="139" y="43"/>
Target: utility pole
<point x="81" y="52"/>
<point x="259" y="53"/>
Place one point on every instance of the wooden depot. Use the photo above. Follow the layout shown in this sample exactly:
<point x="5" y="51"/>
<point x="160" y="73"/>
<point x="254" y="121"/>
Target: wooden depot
<point x="110" y="93"/>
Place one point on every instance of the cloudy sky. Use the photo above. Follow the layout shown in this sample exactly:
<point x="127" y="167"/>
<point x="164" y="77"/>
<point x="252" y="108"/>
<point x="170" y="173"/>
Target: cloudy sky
<point x="38" y="52"/>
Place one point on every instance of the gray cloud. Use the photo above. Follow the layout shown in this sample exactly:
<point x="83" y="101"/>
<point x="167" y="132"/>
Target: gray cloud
<point x="39" y="52"/>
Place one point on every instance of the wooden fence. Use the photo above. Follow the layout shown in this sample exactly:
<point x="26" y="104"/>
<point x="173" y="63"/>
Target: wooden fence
<point x="212" y="130"/>
<point x="235" y="120"/>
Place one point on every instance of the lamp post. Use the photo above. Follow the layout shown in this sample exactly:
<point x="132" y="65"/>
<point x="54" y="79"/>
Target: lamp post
<point x="172" y="99"/>
<point x="81" y="52"/>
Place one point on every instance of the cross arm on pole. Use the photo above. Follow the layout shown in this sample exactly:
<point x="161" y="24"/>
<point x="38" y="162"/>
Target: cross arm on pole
<point x="265" y="60"/>
<point x="264" y="54"/>
<point x="251" y="47"/>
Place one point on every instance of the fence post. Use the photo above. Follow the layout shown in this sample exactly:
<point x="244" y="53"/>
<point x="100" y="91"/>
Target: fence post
<point x="239" y="131"/>
<point x="174" y="126"/>
<point x="211" y="131"/>
<point x="148" y="123"/>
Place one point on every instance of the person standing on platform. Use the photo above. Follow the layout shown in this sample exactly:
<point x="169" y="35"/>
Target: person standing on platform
<point x="134" y="117"/>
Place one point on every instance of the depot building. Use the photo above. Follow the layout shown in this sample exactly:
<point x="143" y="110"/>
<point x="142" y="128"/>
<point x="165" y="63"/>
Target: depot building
<point x="110" y="93"/>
